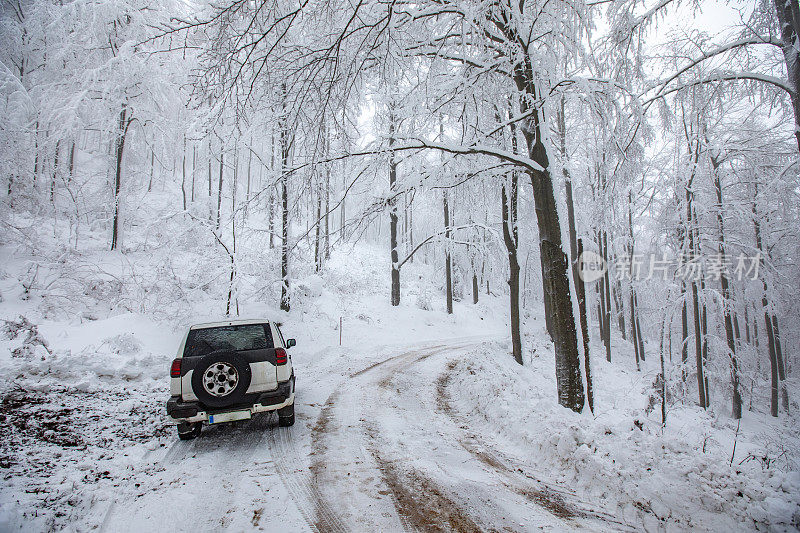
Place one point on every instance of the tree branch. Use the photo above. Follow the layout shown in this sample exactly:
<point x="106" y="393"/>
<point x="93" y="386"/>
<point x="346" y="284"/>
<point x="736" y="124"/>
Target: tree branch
<point x="713" y="53"/>
<point x="755" y="76"/>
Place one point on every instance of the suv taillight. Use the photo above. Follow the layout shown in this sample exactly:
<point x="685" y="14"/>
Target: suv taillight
<point x="175" y="369"/>
<point x="280" y="356"/>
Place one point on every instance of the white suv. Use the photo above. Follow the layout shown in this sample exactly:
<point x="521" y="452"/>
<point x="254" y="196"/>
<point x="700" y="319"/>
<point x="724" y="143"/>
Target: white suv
<point x="228" y="371"/>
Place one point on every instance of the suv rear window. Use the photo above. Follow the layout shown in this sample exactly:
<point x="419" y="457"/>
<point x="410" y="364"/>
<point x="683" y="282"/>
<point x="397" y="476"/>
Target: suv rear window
<point x="236" y="338"/>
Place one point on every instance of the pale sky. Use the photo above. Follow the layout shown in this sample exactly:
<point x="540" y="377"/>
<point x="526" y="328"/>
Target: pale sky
<point x="713" y="17"/>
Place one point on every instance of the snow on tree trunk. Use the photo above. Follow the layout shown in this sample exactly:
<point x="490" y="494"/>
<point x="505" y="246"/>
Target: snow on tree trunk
<point x="395" y="275"/>
<point x="554" y="261"/>
<point x="510" y="241"/>
<point x="448" y="273"/>
<point x="727" y="303"/>
<point x="771" y="345"/>
<point x="120" y="147"/>
<point x="285" y="148"/>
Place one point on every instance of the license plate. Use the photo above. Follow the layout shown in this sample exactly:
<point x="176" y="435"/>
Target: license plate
<point x="229" y="417"/>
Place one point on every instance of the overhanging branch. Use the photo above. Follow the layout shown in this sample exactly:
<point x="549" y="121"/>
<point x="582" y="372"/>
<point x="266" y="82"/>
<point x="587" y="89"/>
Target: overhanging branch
<point x="733" y="76"/>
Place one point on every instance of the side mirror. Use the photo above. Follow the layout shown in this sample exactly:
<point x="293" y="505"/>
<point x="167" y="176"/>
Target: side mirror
<point x="290" y="343"/>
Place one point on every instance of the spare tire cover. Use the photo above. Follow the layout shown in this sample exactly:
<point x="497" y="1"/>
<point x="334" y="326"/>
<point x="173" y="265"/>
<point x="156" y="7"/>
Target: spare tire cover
<point x="232" y="371"/>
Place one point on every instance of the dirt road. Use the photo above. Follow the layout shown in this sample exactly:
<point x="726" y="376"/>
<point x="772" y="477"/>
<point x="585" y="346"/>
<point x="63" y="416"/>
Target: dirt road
<point x="376" y="448"/>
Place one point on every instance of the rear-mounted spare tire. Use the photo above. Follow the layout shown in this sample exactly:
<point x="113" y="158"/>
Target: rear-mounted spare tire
<point x="221" y="378"/>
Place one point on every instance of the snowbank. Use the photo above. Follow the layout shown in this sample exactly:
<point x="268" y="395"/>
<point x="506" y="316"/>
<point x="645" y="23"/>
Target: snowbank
<point x="679" y="477"/>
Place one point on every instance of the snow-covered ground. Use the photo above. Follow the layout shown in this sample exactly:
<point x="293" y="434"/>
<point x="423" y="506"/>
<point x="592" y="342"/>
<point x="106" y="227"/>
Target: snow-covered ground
<point x="418" y="421"/>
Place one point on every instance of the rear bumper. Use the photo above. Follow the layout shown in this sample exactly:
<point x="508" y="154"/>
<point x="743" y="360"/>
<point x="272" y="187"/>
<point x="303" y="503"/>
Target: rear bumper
<point x="279" y="398"/>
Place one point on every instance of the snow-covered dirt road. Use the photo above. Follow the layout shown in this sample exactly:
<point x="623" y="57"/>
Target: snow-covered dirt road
<point x="375" y="448"/>
<point x="447" y="434"/>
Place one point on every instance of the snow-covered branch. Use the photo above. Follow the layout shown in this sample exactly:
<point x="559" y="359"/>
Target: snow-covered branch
<point x="719" y="50"/>
<point x="727" y="76"/>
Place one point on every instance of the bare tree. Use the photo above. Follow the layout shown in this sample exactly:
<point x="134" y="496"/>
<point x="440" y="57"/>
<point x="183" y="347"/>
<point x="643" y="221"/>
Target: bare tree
<point x="122" y="131"/>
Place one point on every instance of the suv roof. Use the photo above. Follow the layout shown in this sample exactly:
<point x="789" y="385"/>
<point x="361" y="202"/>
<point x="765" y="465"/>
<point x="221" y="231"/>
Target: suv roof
<point x="231" y="323"/>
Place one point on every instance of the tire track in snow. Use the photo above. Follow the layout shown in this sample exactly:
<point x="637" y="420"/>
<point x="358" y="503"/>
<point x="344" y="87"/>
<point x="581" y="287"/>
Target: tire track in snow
<point x="318" y="514"/>
<point x="325" y="426"/>
<point x="232" y="458"/>
<point x="220" y="458"/>
<point x="314" y="507"/>
<point x="420" y="502"/>
<point x="546" y="498"/>
<point x="555" y="500"/>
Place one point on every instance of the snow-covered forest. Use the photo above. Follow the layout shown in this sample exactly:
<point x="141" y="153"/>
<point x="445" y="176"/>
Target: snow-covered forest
<point x="541" y="260"/>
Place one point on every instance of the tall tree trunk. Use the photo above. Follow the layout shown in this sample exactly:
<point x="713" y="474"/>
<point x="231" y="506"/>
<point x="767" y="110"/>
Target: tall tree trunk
<point x="608" y="287"/>
<point x="232" y="284"/>
<point x="317" y="231"/>
<point x="508" y="215"/>
<point x="447" y="265"/>
<point x="684" y="335"/>
<point x="219" y="186"/>
<point x="448" y="272"/>
<point x="580" y="288"/>
<point x="194" y="168"/>
<point x="510" y="241"/>
<point x="704" y="326"/>
<point x="235" y="187"/>
<point x="600" y="293"/>
<point x="619" y="305"/>
<point x="698" y="334"/>
<point x="698" y="347"/>
<point x="249" y="165"/>
<point x="746" y="324"/>
<point x="285" y="305"/>
<point x="778" y="349"/>
<point x="404" y="229"/>
<point x="771" y="346"/>
<point x="755" y="329"/>
<point x="395" y="275"/>
<point x="601" y="300"/>
<point x="575" y="250"/>
<point x="633" y="331"/>
<point x="663" y="376"/>
<point x="327" y="209"/>
<point x="603" y="303"/>
<point x="342" y="212"/>
<point x="71" y="162"/>
<point x="153" y="164"/>
<point x="35" y="153"/>
<point x="272" y="193"/>
<point x="639" y="337"/>
<point x="636" y="333"/>
<point x="183" y="179"/>
<point x="55" y="172"/>
<point x="230" y="288"/>
<point x="691" y="224"/>
<point x="727" y="301"/>
<point x="781" y="364"/>
<point x="120" y="147"/>
<point x="554" y="272"/>
<point x="411" y="225"/>
<point x="773" y="358"/>
<point x="285" y="146"/>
